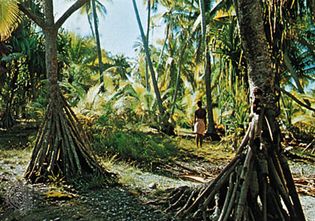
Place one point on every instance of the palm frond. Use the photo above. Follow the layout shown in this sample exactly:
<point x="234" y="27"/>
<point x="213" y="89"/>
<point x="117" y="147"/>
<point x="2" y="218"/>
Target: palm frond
<point x="9" y="18"/>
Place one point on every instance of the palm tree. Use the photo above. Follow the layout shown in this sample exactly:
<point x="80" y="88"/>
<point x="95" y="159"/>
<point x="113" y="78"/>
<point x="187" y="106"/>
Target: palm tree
<point x="147" y="36"/>
<point x="164" y="117"/>
<point x="299" y="55"/>
<point x="180" y="32"/>
<point x="80" y="58"/>
<point x="207" y="68"/>
<point x="183" y="20"/>
<point x="61" y="147"/>
<point x="96" y="6"/>
<point x="99" y="52"/>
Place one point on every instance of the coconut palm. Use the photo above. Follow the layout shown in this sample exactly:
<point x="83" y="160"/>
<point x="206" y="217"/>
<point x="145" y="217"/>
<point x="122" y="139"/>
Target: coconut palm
<point x="92" y="9"/>
<point x="183" y="20"/>
<point x="207" y="69"/>
<point x="80" y="58"/>
<point x="179" y="33"/>
<point x="148" y="37"/>
<point x="146" y="48"/>
<point x="164" y="117"/>
<point x="299" y="56"/>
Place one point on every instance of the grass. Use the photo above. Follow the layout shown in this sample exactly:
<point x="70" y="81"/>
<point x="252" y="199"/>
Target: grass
<point x="21" y="154"/>
<point x="15" y="161"/>
<point x="136" y="146"/>
<point x="210" y="151"/>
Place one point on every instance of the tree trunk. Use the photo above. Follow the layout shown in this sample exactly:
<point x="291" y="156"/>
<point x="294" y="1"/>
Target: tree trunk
<point x="165" y="126"/>
<point x="179" y="71"/>
<point x="207" y="70"/>
<point x="211" y="129"/>
<point x="62" y="148"/>
<point x="98" y="45"/>
<point x="162" y="50"/>
<point x="148" y="57"/>
<point x="257" y="184"/>
<point x="147" y="84"/>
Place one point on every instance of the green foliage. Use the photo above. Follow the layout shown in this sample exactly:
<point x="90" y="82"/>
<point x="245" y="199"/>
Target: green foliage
<point x="24" y="71"/>
<point x="9" y="18"/>
<point x="234" y="110"/>
<point x="296" y="115"/>
<point x="36" y="108"/>
<point x="135" y="145"/>
<point x="127" y="103"/>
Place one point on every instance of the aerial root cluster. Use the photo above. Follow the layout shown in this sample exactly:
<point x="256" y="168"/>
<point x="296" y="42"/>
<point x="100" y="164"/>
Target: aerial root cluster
<point x="256" y="185"/>
<point x="62" y="148"/>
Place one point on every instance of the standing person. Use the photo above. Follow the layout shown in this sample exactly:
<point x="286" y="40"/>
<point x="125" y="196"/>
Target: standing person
<point x="200" y="123"/>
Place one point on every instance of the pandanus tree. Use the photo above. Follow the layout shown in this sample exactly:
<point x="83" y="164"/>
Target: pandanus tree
<point x="257" y="184"/>
<point x="61" y="147"/>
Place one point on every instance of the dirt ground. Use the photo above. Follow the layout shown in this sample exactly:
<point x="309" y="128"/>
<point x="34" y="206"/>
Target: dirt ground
<point x="126" y="201"/>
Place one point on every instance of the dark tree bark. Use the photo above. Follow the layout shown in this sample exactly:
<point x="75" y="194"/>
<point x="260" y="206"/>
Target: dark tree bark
<point x="257" y="184"/>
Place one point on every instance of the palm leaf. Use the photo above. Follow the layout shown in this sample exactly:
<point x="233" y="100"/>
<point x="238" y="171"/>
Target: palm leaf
<point x="9" y="18"/>
<point x="301" y="117"/>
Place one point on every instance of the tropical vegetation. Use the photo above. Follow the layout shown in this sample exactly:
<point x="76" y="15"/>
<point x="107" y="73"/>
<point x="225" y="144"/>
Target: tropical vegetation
<point x="252" y="63"/>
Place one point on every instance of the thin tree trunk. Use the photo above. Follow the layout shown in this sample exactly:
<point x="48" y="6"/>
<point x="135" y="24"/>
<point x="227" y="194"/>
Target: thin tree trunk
<point x="207" y="69"/>
<point x="179" y="71"/>
<point x="211" y="129"/>
<point x="98" y="45"/>
<point x="163" y="119"/>
<point x="147" y="84"/>
<point x="162" y="50"/>
<point x="147" y="52"/>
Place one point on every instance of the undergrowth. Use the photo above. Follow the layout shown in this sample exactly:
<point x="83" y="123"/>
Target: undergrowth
<point x="135" y="146"/>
